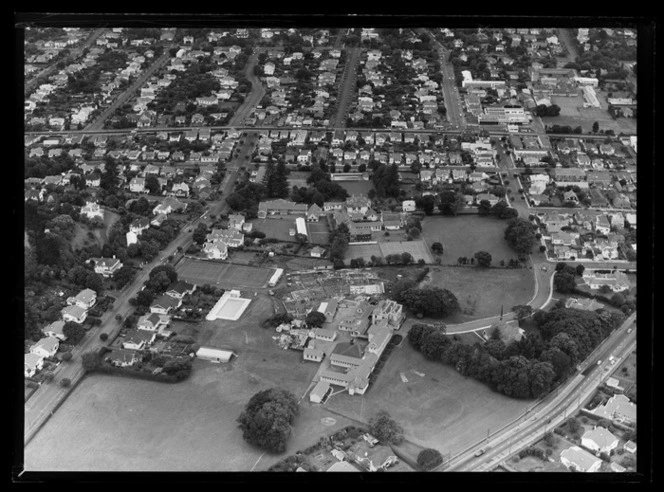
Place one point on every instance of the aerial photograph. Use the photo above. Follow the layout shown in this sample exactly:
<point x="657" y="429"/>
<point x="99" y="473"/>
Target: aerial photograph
<point x="330" y="248"/>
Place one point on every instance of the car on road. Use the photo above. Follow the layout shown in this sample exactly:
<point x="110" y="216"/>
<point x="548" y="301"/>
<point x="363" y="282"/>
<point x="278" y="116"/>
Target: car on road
<point x="544" y="268"/>
<point x="629" y="330"/>
<point x="599" y="362"/>
<point x="479" y="452"/>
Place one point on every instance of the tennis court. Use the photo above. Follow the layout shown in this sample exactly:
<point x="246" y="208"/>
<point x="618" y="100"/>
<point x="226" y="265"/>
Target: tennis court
<point x="223" y="274"/>
<point x="318" y="232"/>
<point x="418" y="249"/>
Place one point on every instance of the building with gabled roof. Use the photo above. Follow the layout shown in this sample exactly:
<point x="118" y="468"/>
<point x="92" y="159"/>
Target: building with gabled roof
<point x="577" y="459"/>
<point x="599" y="440"/>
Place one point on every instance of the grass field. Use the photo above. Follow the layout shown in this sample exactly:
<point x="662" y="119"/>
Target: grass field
<point x="356" y="187"/>
<point x="573" y="113"/>
<point x="276" y="228"/>
<point x="482" y="291"/>
<point x="466" y="235"/>
<point x="442" y="410"/>
<point x="223" y="274"/>
<point x="121" y="424"/>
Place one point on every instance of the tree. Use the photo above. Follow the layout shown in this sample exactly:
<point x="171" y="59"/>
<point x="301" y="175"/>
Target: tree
<point x="426" y="203"/>
<point x="266" y="420"/>
<point x="522" y="311"/>
<point x="385" y="429"/>
<point x="595" y="127"/>
<point x="580" y="269"/>
<point x="430" y="301"/>
<point x="520" y="235"/>
<point x="200" y="233"/>
<point x="564" y="282"/>
<point x="484" y="207"/>
<point x="314" y="318"/>
<point x="65" y="382"/>
<point x="483" y="259"/>
<point x="73" y="331"/>
<point x="91" y="361"/>
<point x="429" y="459"/>
<point x="451" y="202"/>
<point x="152" y="184"/>
<point x="437" y="248"/>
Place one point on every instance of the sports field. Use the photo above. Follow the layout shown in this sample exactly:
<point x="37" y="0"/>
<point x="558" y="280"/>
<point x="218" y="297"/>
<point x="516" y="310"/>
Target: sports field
<point x="223" y="274"/>
<point x="356" y="187"/>
<point x="120" y="424"/>
<point x="438" y="409"/>
<point x="573" y="113"/>
<point x="465" y="235"/>
<point x="418" y="249"/>
<point x="277" y="228"/>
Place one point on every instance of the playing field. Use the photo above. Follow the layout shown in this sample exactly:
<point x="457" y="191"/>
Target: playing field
<point x="418" y="249"/>
<point x="465" y="235"/>
<point x="223" y="274"/>
<point x="356" y="187"/>
<point x="438" y="409"/>
<point x="573" y="113"/>
<point x="277" y="228"/>
<point x="119" y="424"/>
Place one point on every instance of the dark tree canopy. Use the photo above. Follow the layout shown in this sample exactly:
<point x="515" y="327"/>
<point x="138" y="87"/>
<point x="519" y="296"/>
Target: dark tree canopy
<point x="385" y="429"/>
<point x="430" y="301"/>
<point x="520" y="235"/>
<point x="429" y="459"/>
<point x="266" y="421"/>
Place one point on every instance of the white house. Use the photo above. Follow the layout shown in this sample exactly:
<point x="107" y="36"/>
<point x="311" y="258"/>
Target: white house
<point x="164" y="304"/>
<point x="138" y="339"/>
<point x="31" y="364"/>
<point x="74" y="313"/>
<point x="55" y="330"/>
<point x="214" y="355"/>
<point x="153" y="322"/>
<point x="46" y="347"/>
<point x="575" y="458"/>
<point x="92" y="210"/>
<point x="216" y="250"/>
<point x="122" y="357"/>
<point x="106" y="266"/>
<point x="408" y="205"/>
<point x="599" y="440"/>
<point x="84" y="299"/>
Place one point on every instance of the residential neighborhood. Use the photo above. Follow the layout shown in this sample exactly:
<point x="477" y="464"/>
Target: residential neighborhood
<point x="398" y="248"/>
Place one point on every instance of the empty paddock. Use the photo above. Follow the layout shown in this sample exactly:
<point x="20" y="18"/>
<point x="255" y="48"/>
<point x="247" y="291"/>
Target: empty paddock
<point x="224" y="275"/>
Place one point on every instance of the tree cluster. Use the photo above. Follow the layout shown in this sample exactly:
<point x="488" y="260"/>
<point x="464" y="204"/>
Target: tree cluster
<point x="266" y="421"/>
<point x="429" y="301"/>
<point x="520" y="235"/>
<point x="385" y="429"/>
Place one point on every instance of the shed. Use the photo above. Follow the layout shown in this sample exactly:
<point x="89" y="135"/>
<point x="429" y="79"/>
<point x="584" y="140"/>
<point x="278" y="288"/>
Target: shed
<point x="319" y="392"/>
<point x="214" y="355"/>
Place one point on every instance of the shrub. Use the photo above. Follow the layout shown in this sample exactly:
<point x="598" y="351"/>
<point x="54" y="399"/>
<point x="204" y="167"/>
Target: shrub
<point x="429" y="459"/>
<point x="65" y="382"/>
<point x="103" y="337"/>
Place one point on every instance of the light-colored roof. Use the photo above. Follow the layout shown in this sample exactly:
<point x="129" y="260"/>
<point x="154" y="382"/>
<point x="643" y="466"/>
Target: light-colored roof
<point x="342" y="466"/>
<point x="48" y="344"/>
<point x="580" y="458"/>
<point x="600" y="436"/>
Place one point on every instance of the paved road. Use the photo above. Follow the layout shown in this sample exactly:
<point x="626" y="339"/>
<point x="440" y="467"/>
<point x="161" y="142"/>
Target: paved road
<point x="98" y="122"/>
<point x="451" y="95"/>
<point x="74" y="54"/>
<point x="565" y="36"/>
<point x="253" y="98"/>
<point x="348" y="88"/>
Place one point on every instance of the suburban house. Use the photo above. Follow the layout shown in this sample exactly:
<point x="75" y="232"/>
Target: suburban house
<point x="317" y="252"/>
<point x="216" y="250"/>
<point x="232" y="237"/>
<point x="139" y="225"/>
<point x="153" y="322"/>
<point x="602" y="224"/>
<point x="74" y="313"/>
<point x="122" y="357"/>
<point x="616" y="280"/>
<point x="599" y="440"/>
<point x="92" y="210"/>
<point x="138" y="339"/>
<point x="179" y="289"/>
<point x="408" y="205"/>
<point x="577" y="459"/>
<point x="31" y="364"/>
<point x="55" y="330"/>
<point x="235" y="221"/>
<point x="84" y="299"/>
<point x="619" y="409"/>
<point x="106" y="266"/>
<point x="46" y="347"/>
<point x="630" y="447"/>
<point x="324" y="334"/>
<point x="164" y="303"/>
<point x="137" y="185"/>
<point x="169" y="205"/>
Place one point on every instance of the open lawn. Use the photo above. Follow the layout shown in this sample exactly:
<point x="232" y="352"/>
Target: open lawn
<point x="224" y="275"/>
<point x="441" y="409"/>
<point x="465" y="235"/>
<point x="481" y="291"/>
<point x="276" y="228"/>
<point x="356" y="187"/>
<point x="121" y="424"/>
<point x="573" y="113"/>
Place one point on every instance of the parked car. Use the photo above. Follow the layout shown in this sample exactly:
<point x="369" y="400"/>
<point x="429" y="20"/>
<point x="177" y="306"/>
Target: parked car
<point x="479" y="452"/>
